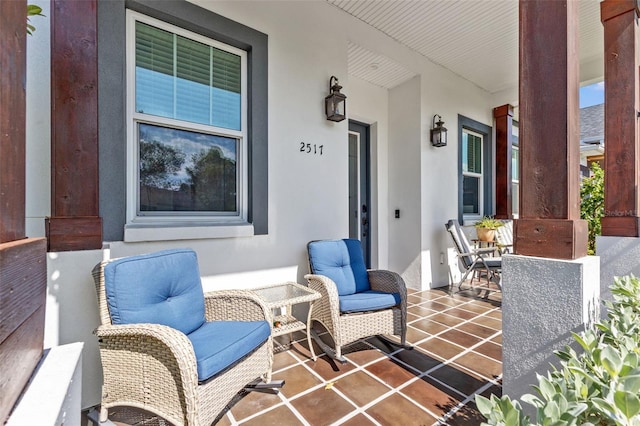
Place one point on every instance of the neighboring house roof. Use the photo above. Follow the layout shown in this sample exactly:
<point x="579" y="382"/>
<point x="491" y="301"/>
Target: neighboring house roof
<point x="592" y="125"/>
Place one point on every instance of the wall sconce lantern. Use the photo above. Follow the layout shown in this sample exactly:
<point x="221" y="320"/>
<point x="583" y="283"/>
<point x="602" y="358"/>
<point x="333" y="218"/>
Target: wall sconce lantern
<point x="438" y="132"/>
<point x="335" y="105"/>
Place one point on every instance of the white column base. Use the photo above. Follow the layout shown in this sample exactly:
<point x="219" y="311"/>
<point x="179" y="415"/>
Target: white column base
<point x="543" y="301"/>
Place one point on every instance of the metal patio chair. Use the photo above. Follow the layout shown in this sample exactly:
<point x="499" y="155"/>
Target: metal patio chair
<point x="504" y="237"/>
<point x="472" y="260"/>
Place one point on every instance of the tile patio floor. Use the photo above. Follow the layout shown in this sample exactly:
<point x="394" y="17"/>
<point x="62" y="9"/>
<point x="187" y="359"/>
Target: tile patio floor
<point x="457" y="353"/>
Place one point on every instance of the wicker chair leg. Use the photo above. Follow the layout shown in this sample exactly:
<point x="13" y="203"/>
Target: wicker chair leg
<point x="309" y="342"/>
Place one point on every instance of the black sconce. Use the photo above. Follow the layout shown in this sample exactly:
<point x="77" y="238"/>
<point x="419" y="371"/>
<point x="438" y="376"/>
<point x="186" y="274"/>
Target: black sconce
<point x="335" y="105"/>
<point x="438" y="132"/>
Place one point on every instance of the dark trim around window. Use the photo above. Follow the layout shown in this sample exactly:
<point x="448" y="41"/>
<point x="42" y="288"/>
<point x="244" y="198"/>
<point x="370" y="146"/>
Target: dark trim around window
<point x="487" y="164"/>
<point x="112" y="95"/>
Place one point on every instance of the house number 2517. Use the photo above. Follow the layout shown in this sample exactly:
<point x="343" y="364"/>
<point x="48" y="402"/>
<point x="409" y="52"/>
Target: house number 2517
<point x="308" y="148"/>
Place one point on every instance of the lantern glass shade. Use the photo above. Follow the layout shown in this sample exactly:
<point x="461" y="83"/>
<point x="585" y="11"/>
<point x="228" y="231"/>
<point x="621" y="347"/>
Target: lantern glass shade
<point x="336" y="106"/>
<point x="438" y="133"/>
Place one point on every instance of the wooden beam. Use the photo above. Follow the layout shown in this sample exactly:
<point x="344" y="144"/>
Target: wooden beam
<point x="503" y="116"/>
<point x="74" y="127"/>
<point x="549" y="224"/>
<point x="13" y="65"/>
<point x="621" y="200"/>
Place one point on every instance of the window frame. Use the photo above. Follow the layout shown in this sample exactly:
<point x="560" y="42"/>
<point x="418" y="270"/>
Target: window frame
<point x="487" y="200"/>
<point x="480" y="176"/>
<point x="515" y="182"/>
<point x="112" y="125"/>
<point x="134" y="118"/>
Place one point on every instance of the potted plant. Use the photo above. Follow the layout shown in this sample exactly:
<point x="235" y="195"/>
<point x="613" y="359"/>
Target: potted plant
<point x="486" y="228"/>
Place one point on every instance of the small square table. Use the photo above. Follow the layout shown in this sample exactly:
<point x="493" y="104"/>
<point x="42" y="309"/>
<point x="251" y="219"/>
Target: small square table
<point x="285" y="295"/>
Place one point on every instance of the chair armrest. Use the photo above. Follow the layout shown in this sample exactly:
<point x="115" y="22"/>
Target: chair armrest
<point x="481" y="252"/>
<point x="505" y="248"/>
<point x="388" y="281"/>
<point x="129" y="349"/>
<point x="236" y="305"/>
<point x="327" y="307"/>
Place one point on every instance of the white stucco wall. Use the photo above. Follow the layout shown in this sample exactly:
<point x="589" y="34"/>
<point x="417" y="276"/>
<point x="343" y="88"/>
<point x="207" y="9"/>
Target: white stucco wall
<point x="405" y="181"/>
<point x="308" y="194"/>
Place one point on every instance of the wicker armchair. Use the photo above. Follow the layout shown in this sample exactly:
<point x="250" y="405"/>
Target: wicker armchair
<point x="355" y="302"/>
<point x="150" y="364"/>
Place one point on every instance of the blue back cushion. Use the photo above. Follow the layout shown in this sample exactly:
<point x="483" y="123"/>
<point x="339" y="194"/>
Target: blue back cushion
<point x="342" y="261"/>
<point x="159" y="288"/>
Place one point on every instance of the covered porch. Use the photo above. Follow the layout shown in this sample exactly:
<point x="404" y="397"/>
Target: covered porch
<point x="79" y="155"/>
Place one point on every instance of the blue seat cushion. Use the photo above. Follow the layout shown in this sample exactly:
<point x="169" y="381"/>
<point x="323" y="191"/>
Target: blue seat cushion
<point x="342" y="261"/>
<point x="368" y="301"/>
<point x="219" y="344"/>
<point x="160" y="288"/>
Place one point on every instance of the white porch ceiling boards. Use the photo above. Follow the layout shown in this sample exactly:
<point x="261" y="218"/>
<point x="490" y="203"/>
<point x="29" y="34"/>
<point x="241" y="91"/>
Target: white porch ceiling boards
<point x="476" y="39"/>
<point x="375" y="68"/>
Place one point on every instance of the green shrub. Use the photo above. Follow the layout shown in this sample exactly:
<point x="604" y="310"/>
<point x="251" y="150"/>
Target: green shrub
<point x="598" y="386"/>
<point x="592" y="204"/>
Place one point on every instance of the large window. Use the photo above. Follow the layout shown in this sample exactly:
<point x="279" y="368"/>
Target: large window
<point x="472" y="174"/>
<point x="475" y="170"/>
<point x="187" y="134"/>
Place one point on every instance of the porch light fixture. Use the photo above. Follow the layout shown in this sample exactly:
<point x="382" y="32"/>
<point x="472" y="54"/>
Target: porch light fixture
<point x="438" y="132"/>
<point x="335" y="105"/>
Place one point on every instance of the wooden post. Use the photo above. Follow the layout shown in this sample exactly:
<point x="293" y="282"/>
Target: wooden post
<point x="549" y="224"/>
<point x="75" y="222"/>
<point x="621" y="201"/>
<point x="503" y="116"/>
<point x="13" y="66"/>
<point x="23" y="275"/>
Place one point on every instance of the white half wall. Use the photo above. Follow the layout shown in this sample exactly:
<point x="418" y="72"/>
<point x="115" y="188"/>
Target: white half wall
<point x="619" y="256"/>
<point x="543" y="301"/>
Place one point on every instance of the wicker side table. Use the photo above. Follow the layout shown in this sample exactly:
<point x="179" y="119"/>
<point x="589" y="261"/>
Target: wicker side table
<point x="284" y="296"/>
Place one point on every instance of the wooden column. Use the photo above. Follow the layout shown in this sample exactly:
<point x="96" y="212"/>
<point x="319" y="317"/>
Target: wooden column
<point x="549" y="224"/>
<point x="503" y="116"/>
<point x="75" y="223"/>
<point x="23" y="275"/>
<point x="13" y="65"/>
<point x="621" y="201"/>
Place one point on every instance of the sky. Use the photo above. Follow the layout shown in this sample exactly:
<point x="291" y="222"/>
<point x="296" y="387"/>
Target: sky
<point x="592" y="94"/>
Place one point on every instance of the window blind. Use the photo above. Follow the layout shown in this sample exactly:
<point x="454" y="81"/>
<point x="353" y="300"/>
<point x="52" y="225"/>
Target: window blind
<point x="180" y="78"/>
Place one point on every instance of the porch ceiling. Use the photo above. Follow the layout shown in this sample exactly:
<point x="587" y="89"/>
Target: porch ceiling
<point x="476" y="39"/>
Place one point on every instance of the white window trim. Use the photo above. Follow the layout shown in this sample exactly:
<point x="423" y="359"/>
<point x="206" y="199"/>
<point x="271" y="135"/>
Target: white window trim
<point x="472" y="217"/>
<point x="181" y="226"/>
<point x="515" y="181"/>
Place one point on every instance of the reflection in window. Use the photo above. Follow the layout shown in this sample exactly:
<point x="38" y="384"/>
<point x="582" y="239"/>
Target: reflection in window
<point x="470" y="195"/>
<point x="186" y="171"/>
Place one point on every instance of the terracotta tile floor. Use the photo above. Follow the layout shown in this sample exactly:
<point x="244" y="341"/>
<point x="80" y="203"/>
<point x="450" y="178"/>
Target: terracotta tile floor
<point x="457" y="354"/>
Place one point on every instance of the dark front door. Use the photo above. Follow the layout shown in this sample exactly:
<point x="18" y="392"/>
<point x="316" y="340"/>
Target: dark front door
<point x="359" y="187"/>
